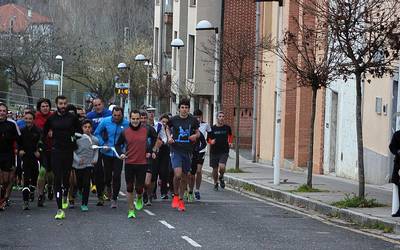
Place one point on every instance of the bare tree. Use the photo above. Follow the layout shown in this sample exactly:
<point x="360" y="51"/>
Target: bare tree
<point x="238" y="53"/>
<point x="94" y="65"/>
<point x="367" y="33"/>
<point x="313" y="60"/>
<point x="26" y="56"/>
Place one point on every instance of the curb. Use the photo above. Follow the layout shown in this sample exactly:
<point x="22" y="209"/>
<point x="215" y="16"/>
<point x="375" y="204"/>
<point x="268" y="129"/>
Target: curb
<point x="308" y="204"/>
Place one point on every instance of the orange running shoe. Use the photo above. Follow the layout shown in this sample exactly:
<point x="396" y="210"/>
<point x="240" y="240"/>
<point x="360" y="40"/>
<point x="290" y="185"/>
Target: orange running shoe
<point x="181" y="206"/>
<point x="175" y="201"/>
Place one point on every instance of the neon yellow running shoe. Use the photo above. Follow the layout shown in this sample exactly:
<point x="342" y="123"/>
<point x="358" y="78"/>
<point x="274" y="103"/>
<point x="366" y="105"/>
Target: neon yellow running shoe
<point x="60" y="215"/>
<point x="131" y="214"/>
<point x="186" y="195"/>
<point x="190" y="197"/>
<point x="64" y="203"/>
<point x="139" y="203"/>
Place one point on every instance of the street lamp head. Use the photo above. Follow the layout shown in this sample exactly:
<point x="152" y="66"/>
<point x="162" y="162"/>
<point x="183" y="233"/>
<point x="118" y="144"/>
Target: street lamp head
<point x="140" y="58"/>
<point x="122" y="66"/>
<point x="177" y="43"/>
<point x="58" y="57"/>
<point x="204" y="25"/>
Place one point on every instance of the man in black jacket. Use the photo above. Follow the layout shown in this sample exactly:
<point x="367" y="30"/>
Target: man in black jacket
<point x="29" y="151"/>
<point x="63" y="126"/>
<point x="8" y="136"/>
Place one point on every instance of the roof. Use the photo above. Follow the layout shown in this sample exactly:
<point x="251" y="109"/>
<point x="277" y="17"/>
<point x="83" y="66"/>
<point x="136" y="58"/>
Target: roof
<point x="20" y="15"/>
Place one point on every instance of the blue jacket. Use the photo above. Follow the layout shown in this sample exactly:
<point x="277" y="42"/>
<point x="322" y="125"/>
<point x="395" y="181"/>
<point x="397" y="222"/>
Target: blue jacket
<point x="96" y="118"/>
<point x="108" y="133"/>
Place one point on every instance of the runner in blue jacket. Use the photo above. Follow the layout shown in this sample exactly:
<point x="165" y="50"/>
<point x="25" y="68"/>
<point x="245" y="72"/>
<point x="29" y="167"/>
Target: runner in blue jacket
<point x="108" y="132"/>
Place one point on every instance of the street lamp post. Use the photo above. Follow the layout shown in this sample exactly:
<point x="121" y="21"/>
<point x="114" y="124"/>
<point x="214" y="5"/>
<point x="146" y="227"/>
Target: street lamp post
<point x="142" y="58"/>
<point x="149" y="65"/>
<point x="60" y="58"/>
<point x="177" y="44"/>
<point x="206" y="25"/>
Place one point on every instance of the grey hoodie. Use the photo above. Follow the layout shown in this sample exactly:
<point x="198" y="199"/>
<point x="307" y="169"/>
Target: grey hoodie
<point x="85" y="152"/>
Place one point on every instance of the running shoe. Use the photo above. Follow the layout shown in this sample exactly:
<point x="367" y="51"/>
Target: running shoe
<point x="26" y="205"/>
<point x="145" y="197"/>
<point x="114" y="204"/>
<point x="175" y="201"/>
<point x="185" y="195"/>
<point x="71" y="204"/>
<point x="8" y="202"/>
<point x="100" y="202"/>
<point x="64" y="203"/>
<point x="40" y="201"/>
<point x="139" y="203"/>
<point x="222" y="182"/>
<point x="131" y="214"/>
<point x="3" y="204"/>
<point x="197" y="195"/>
<point x="164" y="197"/>
<point x="191" y="197"/>
<point x="93" y="189"/>
<point x="181" y="206"/>
<point x="84" y="208"/>
<point x="216" y="187"/>
<point x="60" y="215"/>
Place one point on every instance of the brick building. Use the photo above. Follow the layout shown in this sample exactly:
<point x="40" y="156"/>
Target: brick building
<point x="239" y="25"/>
<point x="295" y="101"/>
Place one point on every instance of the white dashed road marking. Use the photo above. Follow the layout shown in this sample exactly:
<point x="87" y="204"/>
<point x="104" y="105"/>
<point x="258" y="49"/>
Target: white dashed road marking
<point x="166" y="224"/>
<point x="191" y="242"/>
<point x="148" y="212"/>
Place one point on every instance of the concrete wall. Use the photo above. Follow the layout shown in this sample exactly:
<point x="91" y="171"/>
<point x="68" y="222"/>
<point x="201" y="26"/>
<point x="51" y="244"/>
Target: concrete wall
<point x="377" y="130"/>
<point x="346" y="142"/>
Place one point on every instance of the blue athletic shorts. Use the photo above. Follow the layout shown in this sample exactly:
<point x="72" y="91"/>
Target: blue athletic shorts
<point x="181" y="160"/>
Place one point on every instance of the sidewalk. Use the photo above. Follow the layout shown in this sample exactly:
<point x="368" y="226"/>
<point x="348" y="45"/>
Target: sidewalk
<point x="258" y="178"/>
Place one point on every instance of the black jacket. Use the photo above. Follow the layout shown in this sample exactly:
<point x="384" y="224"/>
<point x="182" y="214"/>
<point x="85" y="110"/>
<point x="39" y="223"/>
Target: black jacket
<point x="8" y="137"/>
<point x="30" y="140"/>
<point x="394" y="147"/>
<point x="64" y="128"/>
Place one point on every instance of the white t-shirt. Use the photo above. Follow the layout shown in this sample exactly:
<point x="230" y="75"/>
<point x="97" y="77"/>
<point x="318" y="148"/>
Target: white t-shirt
<point x="204" y="129"/>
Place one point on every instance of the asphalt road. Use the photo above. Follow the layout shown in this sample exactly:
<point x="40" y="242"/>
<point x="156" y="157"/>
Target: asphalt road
<point x="221" y="220"/>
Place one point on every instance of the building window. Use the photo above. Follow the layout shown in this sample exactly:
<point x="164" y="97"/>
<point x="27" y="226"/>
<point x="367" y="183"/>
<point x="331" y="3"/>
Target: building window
<point x="193" y="2"/>
<point x="191" y="57"/>
<point x="156" y="49"/>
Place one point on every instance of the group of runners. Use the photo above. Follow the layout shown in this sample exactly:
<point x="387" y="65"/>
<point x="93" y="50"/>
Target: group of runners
<point x="68" y="153"/>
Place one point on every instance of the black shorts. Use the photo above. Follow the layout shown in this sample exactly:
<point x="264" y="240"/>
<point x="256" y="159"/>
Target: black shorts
<point x="197" y="159"/>
<point x="216" y="159"/>
<point x="135" y="173"/>
<point x="7" y="163"/>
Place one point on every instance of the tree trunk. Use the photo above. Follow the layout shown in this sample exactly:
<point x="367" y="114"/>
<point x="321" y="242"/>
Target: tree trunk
<point x="360" y="145"/>
<point x="28" y="91"/>
<point x="237" y="141"/>
<point x="310" y="161"/>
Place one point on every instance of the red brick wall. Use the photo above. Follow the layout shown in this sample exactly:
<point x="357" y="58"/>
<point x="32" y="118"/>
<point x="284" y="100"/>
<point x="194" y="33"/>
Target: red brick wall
<point x="239" y="27"/>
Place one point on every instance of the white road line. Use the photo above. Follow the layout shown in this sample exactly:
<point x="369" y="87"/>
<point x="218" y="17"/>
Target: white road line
<point x="191" y="242"/>
<point x="166" y="224"/>
<point x="122" y="193"/>
<point x="148" y="212"/>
